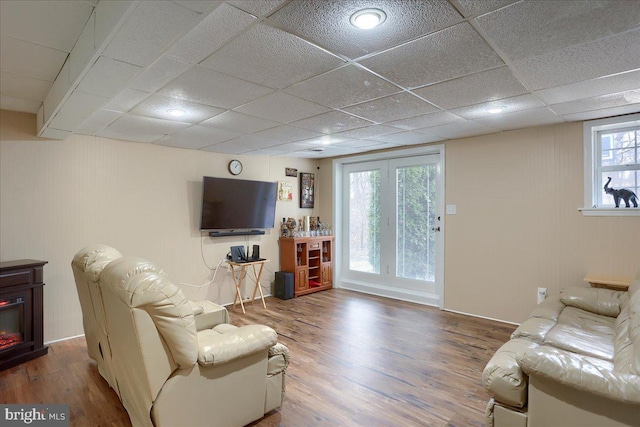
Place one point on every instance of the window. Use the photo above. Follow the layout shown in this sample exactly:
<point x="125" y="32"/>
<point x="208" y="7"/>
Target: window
<point x="612" y="157"/>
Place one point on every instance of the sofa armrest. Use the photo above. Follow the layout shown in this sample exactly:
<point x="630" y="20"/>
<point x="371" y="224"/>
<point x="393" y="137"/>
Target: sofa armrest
<point x="595" y="300"/>
<point x="582" y="373"/>
<point x="208" y="314"/>
<point x="225" y="343"/>
<point x="503" y="378"/>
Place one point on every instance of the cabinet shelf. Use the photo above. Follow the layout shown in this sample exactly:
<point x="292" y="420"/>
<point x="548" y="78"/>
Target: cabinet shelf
<point x="310" y="259"/>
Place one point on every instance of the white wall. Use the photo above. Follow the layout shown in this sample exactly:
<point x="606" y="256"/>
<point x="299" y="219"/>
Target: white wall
<point x="143" y="199"/>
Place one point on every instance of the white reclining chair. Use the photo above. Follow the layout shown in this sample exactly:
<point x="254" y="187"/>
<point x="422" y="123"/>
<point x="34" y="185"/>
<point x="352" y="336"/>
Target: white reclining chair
<point x="178" y="363"/>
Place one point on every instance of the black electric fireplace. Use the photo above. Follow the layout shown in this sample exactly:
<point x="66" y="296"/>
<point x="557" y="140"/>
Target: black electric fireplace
<point x="21" y="335"/>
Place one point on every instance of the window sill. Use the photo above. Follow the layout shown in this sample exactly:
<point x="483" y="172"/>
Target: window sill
<point x="610" y="211"/>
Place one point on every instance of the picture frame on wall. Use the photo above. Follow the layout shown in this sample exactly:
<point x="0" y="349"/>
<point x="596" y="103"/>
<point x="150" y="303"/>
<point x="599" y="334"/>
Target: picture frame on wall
<point x="307" y="189"/>
<point x="285" y="191"/>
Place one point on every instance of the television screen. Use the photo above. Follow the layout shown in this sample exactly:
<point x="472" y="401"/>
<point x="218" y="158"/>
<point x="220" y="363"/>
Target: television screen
<point x="229" y="204"/>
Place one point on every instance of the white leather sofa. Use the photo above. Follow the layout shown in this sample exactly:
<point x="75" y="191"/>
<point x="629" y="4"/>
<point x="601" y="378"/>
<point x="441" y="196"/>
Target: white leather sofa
<point x="574" y="362"/>
<point x="174" y="362"/>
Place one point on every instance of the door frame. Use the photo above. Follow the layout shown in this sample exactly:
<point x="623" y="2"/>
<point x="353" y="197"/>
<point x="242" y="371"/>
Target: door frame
<point x="338" y="206"/>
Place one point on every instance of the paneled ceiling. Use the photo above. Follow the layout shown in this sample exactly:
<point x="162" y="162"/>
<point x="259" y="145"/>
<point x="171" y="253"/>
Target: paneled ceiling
<point x="295" y="78"/>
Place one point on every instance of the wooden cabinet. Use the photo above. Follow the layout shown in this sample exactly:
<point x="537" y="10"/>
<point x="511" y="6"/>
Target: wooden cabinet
<point x="310" y="259"/>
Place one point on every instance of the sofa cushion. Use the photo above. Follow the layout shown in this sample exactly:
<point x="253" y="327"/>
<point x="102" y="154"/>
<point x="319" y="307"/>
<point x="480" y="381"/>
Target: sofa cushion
<point x="600" y="301"/>
<point x="584" y="333"/>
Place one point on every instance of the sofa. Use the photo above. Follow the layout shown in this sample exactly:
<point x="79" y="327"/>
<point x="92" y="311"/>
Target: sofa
<point x="174" y="362"/>
<point x="574" y="362"/>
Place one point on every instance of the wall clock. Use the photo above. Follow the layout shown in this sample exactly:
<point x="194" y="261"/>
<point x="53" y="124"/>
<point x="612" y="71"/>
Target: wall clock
<point x="235" y="167"/>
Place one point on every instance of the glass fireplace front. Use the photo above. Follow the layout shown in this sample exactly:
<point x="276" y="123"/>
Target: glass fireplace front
<point x="11" y="322"/>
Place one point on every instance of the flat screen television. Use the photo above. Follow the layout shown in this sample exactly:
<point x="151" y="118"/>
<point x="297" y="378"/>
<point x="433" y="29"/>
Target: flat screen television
<point x="231" y="204"/>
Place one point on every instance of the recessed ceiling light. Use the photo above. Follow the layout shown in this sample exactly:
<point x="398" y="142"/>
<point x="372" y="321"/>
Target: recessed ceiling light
<point x="496" y="110"/>
<point x="176" y="112"/>
<point x="367" y="19"/>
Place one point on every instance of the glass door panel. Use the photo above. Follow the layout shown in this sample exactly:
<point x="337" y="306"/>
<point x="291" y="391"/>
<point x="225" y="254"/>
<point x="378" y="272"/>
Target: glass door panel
<point x="364" y="221"/>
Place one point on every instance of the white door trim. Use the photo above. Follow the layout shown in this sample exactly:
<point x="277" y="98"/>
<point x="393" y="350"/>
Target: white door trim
<point x="338" y="205"/>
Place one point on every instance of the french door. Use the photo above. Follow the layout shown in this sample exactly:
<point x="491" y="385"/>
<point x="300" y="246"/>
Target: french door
<point x="392" y="242"/>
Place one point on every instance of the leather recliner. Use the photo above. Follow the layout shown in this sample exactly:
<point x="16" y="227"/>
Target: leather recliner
<point x="177" y="362"/>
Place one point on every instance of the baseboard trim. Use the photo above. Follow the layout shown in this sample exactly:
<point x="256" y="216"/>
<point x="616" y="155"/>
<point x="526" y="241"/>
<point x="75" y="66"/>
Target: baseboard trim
<point x="481" y="317"/>
<point x="63" y="339"/>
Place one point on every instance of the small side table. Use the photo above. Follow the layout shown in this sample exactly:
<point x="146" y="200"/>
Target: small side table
<point x="615" y="283"/>
<point x="241" y="268"/>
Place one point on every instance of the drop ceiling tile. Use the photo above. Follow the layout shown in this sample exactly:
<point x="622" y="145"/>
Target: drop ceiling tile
<point x="140" y="129"/>
<point x="158" y="74"/>
<point x="409" y="138"/>
<point x="276" y="150"/>
<point x="19" y="104"/>
<point x="471" y="8"/>
<point x="556" y="25"/>
<point x="249" y="142"/>
<point x="284" y="58"/>
<point x="581" y="62"/>
<point x="427" y="120"/>
<point x="200" y="6"/>
<point x="239" y="146"/>
<point x="286" y="133"/>
<point x="342" y="87"/>
<point x="520" y="119"/>
<point x="149" y="30"/>
<point x="196" y="137"/>
<point x="238" y="122"/>
<point x="222" y="25"/>
<point x="258" y="8"/>
<point x="51" y="133"/>
<point x="107" y="76"/>
<point x="597" y="102"/>
<point x="28" y="59"/>
<point x="355" y="143"/>
<point x="20" y="86"/>
<point x="82" y="104"/>
<point x="590" y="88"/>
<point x="125" y="100"/>
<point x="322" y="141"/>
<point x="452" y="52"/>
<point x="326" y="23"/>
<point x="54" y="24"/>
<point x="394" y="107"/>
<point x="473" y="89"/>
<point x="158" y="105"/>
<point x="458" y="130"/>
<point x="282" y="108"/>
<point x="332" y="122"/>
<point x="67" y="122"/>
<point x="607" y="112"/>
<point x="516" y="103"/>
<point x="368" y="132"/>
<point x="209" y="87"/>
<point x="97" y="121"/>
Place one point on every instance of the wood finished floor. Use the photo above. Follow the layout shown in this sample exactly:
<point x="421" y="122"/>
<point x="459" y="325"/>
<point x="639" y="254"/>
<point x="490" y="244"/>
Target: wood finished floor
<point x="356" y="360"/>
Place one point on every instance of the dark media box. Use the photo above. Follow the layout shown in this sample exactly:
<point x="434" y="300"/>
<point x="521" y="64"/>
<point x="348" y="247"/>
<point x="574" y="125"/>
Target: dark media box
<point x="284" y="285"/>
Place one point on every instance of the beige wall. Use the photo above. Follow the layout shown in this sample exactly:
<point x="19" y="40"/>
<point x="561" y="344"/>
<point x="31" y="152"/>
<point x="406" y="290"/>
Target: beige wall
<point x="517" y="225"/>
<point x="59" y="196"/>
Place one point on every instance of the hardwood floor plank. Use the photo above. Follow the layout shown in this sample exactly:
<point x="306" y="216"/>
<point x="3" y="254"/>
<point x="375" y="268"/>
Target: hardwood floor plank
<point x="356" y="360"/>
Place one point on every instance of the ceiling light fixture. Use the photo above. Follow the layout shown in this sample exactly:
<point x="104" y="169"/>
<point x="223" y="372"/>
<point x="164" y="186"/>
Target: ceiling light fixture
<point x="176" y="112"/>
<point x="496" y="110"/>
<point x="367" y="19"/>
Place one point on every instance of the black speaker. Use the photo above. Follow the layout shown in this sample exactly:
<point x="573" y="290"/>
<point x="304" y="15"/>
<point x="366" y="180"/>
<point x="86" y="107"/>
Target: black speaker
<point x="255" y="255"/>
<point x="237" y="254"/>
<point x="284" y="285"/>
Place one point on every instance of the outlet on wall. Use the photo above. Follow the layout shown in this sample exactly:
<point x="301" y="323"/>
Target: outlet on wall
<point x="542" y="294"/>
